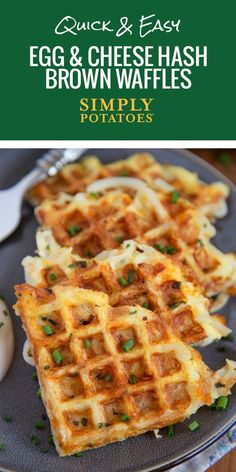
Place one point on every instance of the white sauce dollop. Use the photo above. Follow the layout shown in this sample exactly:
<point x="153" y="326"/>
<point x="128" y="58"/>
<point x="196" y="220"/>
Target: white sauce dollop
<point x="27" y="355"/>
<point x="6" y="339"/>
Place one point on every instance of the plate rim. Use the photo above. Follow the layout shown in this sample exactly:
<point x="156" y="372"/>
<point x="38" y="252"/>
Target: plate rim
<point x="180" y="459"/>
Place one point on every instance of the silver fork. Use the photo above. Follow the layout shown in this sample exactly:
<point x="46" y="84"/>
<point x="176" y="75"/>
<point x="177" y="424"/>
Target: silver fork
<point x="11" y="199"/>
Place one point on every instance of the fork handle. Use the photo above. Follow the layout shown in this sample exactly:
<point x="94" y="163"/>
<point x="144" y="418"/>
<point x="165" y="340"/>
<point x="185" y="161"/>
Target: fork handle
<point x="48" y="165"/>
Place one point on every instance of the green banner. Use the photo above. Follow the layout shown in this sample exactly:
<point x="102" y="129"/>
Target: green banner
<point x="123" y="70"/>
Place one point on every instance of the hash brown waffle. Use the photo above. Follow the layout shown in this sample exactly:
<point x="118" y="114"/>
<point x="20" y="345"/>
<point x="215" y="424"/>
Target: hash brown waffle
<point x="134" y="273"/>
<point x="74" y="178"/>
<point x="110" y="373"/>
<point x="90" y="223"/>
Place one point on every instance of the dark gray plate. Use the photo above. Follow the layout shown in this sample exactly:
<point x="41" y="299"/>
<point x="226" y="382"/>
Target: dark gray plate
<point x="18" y="389"/>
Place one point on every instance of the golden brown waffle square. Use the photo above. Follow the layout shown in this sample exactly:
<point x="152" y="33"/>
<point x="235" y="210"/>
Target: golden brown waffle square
<point x="133" y="274"/>
<point x="91" y="223"/>
<point x="107" y="373"/>
<point x="74" y="178"/>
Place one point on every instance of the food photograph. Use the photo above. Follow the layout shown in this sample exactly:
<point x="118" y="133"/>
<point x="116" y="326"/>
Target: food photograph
<point x="117" y="310"/>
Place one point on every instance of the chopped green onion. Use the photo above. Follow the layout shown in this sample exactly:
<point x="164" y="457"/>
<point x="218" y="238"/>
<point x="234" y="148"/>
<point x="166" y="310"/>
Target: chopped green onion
<point x="2" y="447"/>
<point x="39" y="425"/>
<point x="35" y="376"/>
<point x="57" y="356"/>
<point x="175" y="196"/>
<point x="123" y="281"/>
<point x="200" y="241"/>
<point x="128" y="345"/>
<point x="73" y="230"/>
<point x="124" y="417"/>
<point x="222" y="403"/>
<point x="93" y="194"/>
<point x="39" y="394"/>
<point x="108" y="378"/>
<point x="119" y="239"/>
<point x="146" y="305"/>
<point x="48" y="330"/>
<point x="44" y="450"/>
<point x="193" y="426"/>
<point x="127" y="246"/>
<point x="133" y="312"/>
<point x="159" y="247"/>
<point x="229" y="338"/>
<point x="84" y="421"/>
<point x="124" y="173"/>
<point x="170" y="250"/>
<point x="8" y="419"/>
<point x="101" y="425"/>
<point x="52" y="276"/>
<point x="130" y="276"/>
<point x="88" y="253"/>
<point x="133" y="379"/>
<point x="170" y="431"/>
<point x="87" y="343"/>
<point x="50" y="440"/>
<point x="35" y="440"/>
<point x="78" y="454"/>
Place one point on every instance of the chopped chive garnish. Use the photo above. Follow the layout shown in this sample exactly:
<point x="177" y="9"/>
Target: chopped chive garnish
<point x="124" y="417"/>
<point x="39" y="425"/>
<point x="133" y="312"/>
<point x="48" y="247"/>
<point x="170" y="250"/>
<point x="127" y="246"/>
<point x="193" y="426"/>
<point x="1" y="324"/>
<point x="35" y="376"/>
<point x="224" y="159"/>
<point x="44" y="450"/>
<point x="88" y="253"/>
<point x="71" y="266"/>
<point x="159" y="247"/>
<point x="48" y="330"/>
<point x="93" y="194"/>
<point x="73" y="230"/>
<point x="35" y="440"/>
<point x="123" y="281"/>
<point x="175" y="196"/>
<point x="229" y="338"/>
<point x="57" y="356"/>
<point x="50" y="440"/>
<point x="119" y="239"/>
<point x="128" y="345"/>
<point x="5" y="312"/>
<point x="8" y="419"/>
<point x="133" y="379"/>
<point x="130" y="276"/>
<point x="200" y="242"/>
<point x="221" y="349"/>
<point x="84" y="421"/>
<point x="213" y="405"/>
<point x="170" y="431"/>
<point x="108" y="378"/>
<point x="39" y="394"/>
<point x="2" y="447"/>
<point x="78" y="454"/>
<point x="101" y="425"/>
<point x="146" y="305"/>
<point x="52" y="276"/>
<point x="87" y="343"/>
<point x="222" y="403"/>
